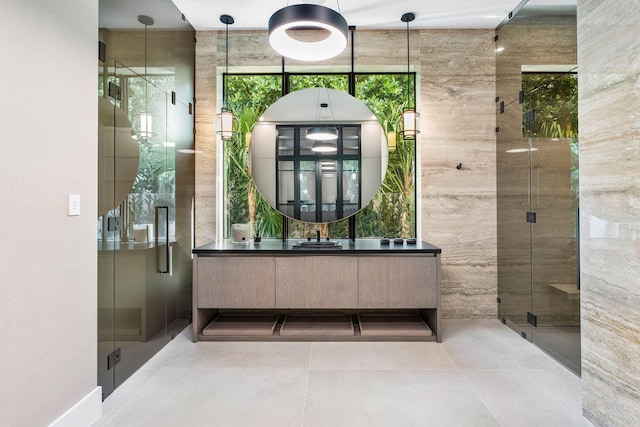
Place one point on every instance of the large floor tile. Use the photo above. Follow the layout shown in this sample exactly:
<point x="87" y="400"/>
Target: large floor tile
<point x="379" y="356"/>
<point x="393" y="398"/>
<point x="491" y="345"/>
<point x="482" y="374"/>
<point x="537" y="397"/>
<point x="242" y="355"/>
<point x="113" y="403"/>
<point x="461" y="329"/>
<point x="217" y="398"/>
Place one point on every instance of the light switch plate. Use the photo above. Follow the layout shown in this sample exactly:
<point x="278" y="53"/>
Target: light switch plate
<point x="74" y="204"/>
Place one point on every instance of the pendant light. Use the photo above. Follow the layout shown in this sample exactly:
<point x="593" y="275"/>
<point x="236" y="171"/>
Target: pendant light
<point x="409" y="113"/>
<point x="323" y="133"/>
<point x="327" y="23"/>
<point x="227" y="124"/>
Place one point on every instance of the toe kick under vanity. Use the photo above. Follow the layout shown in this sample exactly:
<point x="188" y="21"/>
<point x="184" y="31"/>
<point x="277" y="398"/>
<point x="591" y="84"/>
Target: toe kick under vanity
<point x="275" y="290"/>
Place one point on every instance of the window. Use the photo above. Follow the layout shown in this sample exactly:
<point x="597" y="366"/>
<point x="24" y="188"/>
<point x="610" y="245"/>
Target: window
<point x="392" y="211"/>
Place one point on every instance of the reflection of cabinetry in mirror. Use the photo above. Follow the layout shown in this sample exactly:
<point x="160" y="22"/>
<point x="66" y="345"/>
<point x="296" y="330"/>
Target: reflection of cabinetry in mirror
<point x="318" y="181"/>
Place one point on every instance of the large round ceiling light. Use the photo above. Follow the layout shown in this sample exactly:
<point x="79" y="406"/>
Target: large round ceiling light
<point x="329" y="24"/>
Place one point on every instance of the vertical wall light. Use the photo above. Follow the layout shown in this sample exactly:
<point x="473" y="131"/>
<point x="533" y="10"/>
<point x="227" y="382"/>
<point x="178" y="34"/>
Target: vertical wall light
<point x="409" y="114"/>
<point x="227" y="123"/>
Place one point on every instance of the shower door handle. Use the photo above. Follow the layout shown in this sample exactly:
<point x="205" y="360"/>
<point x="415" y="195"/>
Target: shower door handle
<point x="163" y="267"/>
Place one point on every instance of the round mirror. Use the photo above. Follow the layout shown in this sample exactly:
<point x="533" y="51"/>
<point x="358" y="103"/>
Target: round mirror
<point x="318" y="155"/>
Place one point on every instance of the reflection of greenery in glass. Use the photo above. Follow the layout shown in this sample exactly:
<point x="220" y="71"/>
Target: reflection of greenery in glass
<point x="390" y="213"/>
<point x="154" y="164"/>
<point x="155" y="181"/>
<point x="554" y="97"/>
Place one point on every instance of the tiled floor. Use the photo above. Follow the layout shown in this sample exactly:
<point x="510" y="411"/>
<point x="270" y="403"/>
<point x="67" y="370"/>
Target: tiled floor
<point x="482" y="374"/>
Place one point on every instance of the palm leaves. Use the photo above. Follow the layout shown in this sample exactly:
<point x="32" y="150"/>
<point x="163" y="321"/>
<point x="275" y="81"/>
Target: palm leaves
<point x="244" y="202"/>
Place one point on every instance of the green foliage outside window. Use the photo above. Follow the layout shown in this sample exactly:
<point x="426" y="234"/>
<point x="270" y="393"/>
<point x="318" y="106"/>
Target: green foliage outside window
<point x="391" y="212"/>
<point x="331" y="81"/>
<point x="248" y="97"/>
<point x="554" y="97"/>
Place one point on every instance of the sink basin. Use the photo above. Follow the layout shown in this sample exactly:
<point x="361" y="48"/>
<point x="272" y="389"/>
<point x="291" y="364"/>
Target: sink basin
<point x="314" y="244"/>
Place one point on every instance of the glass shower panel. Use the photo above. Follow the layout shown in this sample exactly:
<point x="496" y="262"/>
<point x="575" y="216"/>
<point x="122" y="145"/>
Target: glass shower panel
<point x="552" y="126"/>
<point x="514" y="232"/>
<point x="181" y="132"/>
<point x="107" y="112"/>
<point x="143" y="263"/>
<point x="143" y="234"/>
<point x="555" y="293"/>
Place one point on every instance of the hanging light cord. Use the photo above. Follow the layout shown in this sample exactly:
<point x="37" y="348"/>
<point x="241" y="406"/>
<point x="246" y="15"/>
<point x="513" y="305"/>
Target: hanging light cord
<point x="226" y="67"/>
<point x="227" y="49"/>
<point x="408" y="96"/>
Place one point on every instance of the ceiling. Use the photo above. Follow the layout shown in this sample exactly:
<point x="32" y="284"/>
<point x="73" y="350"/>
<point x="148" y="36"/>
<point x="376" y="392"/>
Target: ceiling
<point x="364" y="14"/>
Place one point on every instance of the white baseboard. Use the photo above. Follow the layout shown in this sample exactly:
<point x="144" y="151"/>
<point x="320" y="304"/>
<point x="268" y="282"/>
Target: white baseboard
<point x="84" y="413"/>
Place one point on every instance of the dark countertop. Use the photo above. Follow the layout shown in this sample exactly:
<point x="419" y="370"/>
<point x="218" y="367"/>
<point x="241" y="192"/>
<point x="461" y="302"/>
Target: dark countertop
<point x="277" y="246"/>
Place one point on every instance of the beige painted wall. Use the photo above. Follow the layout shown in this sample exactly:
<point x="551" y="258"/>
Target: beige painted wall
<point x="457" y="89"/>
<point x="48" y="259"/>
<point x="608" y="49"/>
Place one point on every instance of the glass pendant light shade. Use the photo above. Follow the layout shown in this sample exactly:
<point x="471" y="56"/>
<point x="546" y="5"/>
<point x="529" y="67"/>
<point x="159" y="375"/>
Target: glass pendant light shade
<point x="145" y="125"/>
<point x="326" y="22"/>
<point x="410" y="123"/>
<point x="227" y="124"/>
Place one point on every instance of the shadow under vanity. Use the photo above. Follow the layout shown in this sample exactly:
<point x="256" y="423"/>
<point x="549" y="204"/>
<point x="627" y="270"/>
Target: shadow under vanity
<point x="357" y="290"/>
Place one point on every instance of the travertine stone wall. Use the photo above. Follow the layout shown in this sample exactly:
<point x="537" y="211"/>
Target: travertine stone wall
<point x="456" y="101"/>
<point x="608" y="51"/>
<point x="457" y="94"/>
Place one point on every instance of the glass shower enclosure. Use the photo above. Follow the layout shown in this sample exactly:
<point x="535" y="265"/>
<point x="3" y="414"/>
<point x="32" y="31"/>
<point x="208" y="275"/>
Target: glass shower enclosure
<point x="538" y="215"/>
<point x="145" y="196"/>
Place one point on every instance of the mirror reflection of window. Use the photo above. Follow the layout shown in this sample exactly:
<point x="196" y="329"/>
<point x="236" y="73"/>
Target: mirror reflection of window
<point x="318" y="181"/>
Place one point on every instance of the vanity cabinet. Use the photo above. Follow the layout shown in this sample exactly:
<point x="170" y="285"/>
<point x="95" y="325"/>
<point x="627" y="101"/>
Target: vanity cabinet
<point x="236" y="282"/>
<point x="397" y="281"/>
<point x="359" y="290"/>
<point x="322" y="282"/>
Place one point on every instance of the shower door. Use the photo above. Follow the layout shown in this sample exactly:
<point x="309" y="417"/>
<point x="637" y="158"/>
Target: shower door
<point x="538" y="242"/>
<point x="136" y="297"/>
<point x="555" y="293"/>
